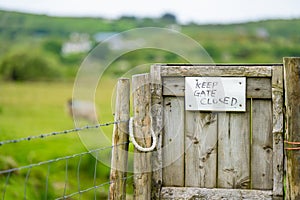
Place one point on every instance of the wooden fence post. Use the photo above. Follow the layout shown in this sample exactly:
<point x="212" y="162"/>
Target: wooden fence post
<point x="278" y="129"/>
<point x="118" y="172"/>
<point x="141" y="128"/>
<point x="157" y="123"/>
<point x="292" y="126"/>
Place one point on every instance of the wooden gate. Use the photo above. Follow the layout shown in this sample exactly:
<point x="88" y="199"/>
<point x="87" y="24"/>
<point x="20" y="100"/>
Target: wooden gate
<point x="202" y="154"/>
<point x="218" y="155"/>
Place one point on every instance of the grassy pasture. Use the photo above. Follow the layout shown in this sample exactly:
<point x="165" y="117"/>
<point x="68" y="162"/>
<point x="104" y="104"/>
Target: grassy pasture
<point x="33" y="108"/>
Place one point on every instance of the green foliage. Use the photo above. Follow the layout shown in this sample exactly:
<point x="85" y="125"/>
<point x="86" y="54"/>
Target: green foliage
<point x="255" y="42"/>
<point x="53" y="46"/>
<point x="27" y="66"/>
<point x="140" y="60"/>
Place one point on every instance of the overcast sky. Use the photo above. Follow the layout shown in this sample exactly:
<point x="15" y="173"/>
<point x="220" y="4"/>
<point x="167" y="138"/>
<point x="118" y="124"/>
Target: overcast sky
<point x="200" y="11"/>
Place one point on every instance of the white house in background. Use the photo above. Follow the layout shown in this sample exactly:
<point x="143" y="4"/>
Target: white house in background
<point x="78" y="43"/>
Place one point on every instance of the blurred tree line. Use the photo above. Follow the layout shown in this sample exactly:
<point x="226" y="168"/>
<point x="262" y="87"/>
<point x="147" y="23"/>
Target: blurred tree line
<point x="31" y="45"/>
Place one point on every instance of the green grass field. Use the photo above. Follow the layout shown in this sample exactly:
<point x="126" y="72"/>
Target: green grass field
<point x="33" y="108"/>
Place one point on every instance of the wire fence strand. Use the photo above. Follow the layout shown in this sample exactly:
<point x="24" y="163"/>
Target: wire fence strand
<point x="47" y="180"/>
<point x="91" y="188"/>
<point x="78" y="175"/>
<point x="59" y="159"/>
<point x="5" y="186"/>
<point x="66" y="177"/>
<point x="292" y="143"/>
<point x="95" y="175"/>
<point x="45" y="135"/>
<point x="26" y="182"/>
<point x="29" y="168"/>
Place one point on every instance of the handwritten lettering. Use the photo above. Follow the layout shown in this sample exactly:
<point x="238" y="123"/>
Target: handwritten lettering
<point x="204" y="84"/>
<point x="232" y="101"/>
<point x="205" y="93"/>
<point x="215" y="93"/>
<point x="207" y="90"/>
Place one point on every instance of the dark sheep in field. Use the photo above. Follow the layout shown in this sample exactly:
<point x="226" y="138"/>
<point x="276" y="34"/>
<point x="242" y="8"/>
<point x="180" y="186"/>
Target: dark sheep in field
<point x="84" y="110"/>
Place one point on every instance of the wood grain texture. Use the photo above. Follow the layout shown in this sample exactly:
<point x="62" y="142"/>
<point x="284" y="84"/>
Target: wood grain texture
<point x="262" y="145"/>
<point x="173" y="142"/>
<point x="238" y="165"/>
<point x="201" y="133"/>
<point x="292" y="127"/>
<point x="119" y="158"/>
<point x="157" y="126"/>
<point x="200" y="70"/>
<point x="234" y="150"/>
<point x="278" y="129"/>
<point x="259" y="88"/>
<point x="173" y="86"/>
<point x="141" y="128"/>
<point x="211" y="194"/>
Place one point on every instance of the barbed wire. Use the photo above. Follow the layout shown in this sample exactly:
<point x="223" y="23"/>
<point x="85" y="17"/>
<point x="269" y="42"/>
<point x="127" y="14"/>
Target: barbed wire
<point x="59" y="159"/>
<point x="29" y="168"/>
<point x="66" y="158"/>
<point x="45" y="135"/>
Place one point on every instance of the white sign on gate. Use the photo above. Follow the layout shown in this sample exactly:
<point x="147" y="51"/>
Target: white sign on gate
<point x="215" y="93"/>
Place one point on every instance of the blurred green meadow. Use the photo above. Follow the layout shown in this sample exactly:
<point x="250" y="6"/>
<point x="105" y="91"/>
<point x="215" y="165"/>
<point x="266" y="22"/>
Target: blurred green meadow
<point x="33" y="108"/>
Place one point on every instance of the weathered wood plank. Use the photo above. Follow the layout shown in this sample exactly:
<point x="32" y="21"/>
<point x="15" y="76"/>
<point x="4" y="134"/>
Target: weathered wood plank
<point x="292" y="128"/>
<point x="173" y="142"/>
<point x="259" y="88"/>
<point x="120" y="136"/>
<point x="200" y="70"/>
<point x="262" y="145"/>
<point x="157" y="126"/>
<point x="141" y="128"/>
<point x="233" y="149"/>
<point x="173" y="86"/>
<point x="201" y="149"/>
<point x="209" y="194"/>
<point x="278" y="126"/>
